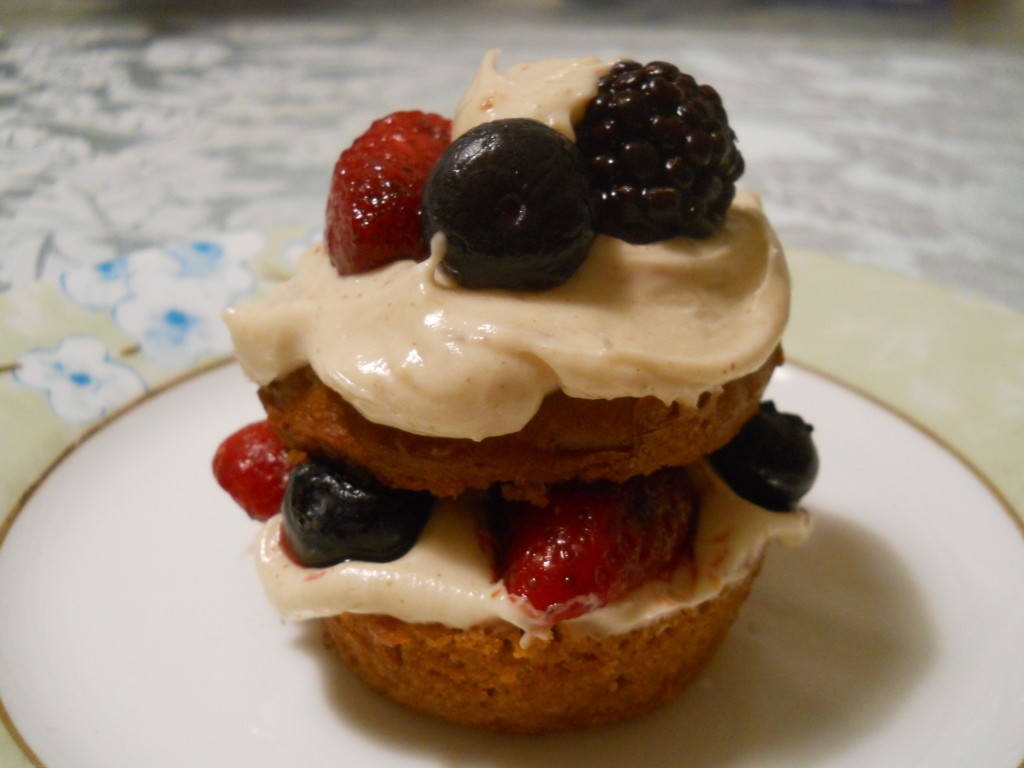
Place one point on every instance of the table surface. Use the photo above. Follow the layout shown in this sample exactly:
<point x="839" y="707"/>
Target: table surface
<point x="886" y="137"/>
<point x="888" y="145"/>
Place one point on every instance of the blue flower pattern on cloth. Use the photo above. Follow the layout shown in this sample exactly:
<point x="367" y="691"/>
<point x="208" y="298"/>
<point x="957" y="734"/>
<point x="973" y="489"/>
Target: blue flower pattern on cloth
<point x="81" y="381"/>
<point x="170" y="299"/>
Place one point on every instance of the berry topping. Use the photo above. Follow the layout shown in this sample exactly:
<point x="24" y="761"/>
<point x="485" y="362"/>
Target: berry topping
<point x="373" y="210"/>
<point x="593" y="542"/>
<point x="660" y="154"/>
<point x="512" y="200"/>
<point x="336" y="512"/>
<point x="252" y="466"/>
<point x="772" y="462"/>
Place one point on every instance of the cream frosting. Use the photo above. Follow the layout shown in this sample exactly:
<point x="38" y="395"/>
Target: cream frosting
<point x="447" y="576"/>
<point x="410" y="350"/>
<point x="553" y="91"/>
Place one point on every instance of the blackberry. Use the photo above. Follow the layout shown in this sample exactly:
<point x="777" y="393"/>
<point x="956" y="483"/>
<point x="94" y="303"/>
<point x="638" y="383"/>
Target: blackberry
<point x="661" y="157"/>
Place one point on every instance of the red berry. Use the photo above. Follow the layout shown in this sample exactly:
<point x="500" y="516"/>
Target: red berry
<point x="373" y="210"/>
<point x="595" y="542"/>
<point x="252" y="466"/>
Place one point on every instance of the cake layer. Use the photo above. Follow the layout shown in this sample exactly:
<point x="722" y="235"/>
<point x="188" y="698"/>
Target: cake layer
<point x="567" y="438"/>
<point x="482" y="677"/>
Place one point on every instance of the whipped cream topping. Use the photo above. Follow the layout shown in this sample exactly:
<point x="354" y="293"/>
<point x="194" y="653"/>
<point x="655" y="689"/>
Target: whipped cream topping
<point x="447" y="576"/>
<point x="410" y="350"/>
<point x="554" y="92"/>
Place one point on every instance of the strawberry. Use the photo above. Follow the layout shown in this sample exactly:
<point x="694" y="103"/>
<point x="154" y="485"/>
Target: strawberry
<point x="252" y="466"/>
<point x="373" y="210"/>
<point x="593" y="542"/>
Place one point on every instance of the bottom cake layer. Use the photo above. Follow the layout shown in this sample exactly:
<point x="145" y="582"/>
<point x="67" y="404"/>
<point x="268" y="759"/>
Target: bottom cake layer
<point x="483" y="676"/>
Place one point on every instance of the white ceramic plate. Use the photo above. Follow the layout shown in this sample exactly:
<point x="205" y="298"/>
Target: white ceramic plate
<point x="133" y="631"/>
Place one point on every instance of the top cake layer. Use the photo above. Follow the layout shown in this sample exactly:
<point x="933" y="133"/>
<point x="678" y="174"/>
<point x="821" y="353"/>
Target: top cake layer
<point x="410" y="349"/>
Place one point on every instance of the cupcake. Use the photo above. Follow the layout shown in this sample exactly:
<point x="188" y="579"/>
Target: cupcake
<point x="516" y="457"/>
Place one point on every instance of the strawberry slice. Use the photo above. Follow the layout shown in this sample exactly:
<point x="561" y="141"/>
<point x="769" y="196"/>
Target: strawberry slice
<point x="373" y="210"/>
<point x="593" y="542"/>
<point x="252" y="466"/>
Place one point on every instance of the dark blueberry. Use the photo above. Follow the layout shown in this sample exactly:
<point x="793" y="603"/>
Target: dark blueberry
<point x="336" y="512"/>
<point x="772" y="462"/>
<point x="513" y="201"/>
<point x="665" y="132"/>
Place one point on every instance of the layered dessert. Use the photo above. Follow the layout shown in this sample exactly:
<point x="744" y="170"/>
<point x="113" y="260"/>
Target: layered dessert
<point x="515" y="456"/>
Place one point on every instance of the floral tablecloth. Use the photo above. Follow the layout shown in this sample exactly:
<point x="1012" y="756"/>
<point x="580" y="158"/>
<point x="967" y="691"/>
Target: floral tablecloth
<point x="156" y="170"/>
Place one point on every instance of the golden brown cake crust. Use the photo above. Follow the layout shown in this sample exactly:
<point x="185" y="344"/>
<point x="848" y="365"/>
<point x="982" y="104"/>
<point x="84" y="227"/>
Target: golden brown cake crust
<point x="481" y="677"/>
<point x="568" y="437"/>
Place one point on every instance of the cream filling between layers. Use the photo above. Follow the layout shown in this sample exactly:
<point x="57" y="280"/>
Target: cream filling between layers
<point x="410" y="350"/>
<point x="447" y="576"/>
